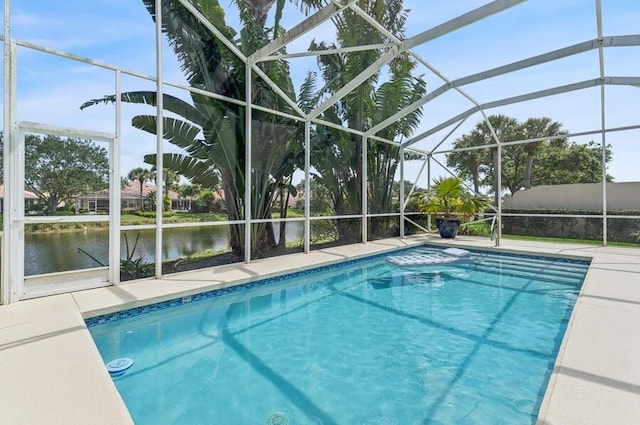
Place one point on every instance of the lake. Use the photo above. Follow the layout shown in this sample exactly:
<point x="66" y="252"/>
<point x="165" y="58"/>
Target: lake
<point x="61" y="251"/>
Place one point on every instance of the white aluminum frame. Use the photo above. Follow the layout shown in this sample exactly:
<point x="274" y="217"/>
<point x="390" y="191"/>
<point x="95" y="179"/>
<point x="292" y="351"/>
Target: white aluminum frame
<point x="272" y="51"/>
<point x="53" y="283"/>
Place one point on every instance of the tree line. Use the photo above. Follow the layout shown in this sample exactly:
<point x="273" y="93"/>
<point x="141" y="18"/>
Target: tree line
<point x="552" y="160"/>
<point x="58" y="169"/>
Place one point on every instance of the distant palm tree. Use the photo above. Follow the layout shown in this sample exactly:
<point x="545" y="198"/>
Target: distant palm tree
<point x="506" y="129"/>
<point x="169" y="177"/>
<point x="142" y="175"/>
<point x="468" y="163"/>
<point x="534" y="128"/>
<point x="188" y="191"/>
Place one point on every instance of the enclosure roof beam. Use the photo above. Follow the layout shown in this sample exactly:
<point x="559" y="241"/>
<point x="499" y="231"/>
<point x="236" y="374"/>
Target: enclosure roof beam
<point x="379" y="46"/>
<point x="295" y="32"/>
<point x="615" y="41"/>
<point x="34" y="127"/>
<point x="292" y="103"/>
<point x="392" y="37"/>
<point x="302" y="28"/>
<point x="367" y="73"/>
<point x="430" y="34"/>
<point x="537" y="139"/>
<point x="126" y="71"/>
<point x="204" y="21"/>
<point x="460" y="21"/>
<point x="525" y="97"/>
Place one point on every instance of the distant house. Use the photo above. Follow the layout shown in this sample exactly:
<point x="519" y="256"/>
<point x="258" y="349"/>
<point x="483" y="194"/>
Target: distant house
<point x="129" y="199"/>
<point x="30" y="199"/>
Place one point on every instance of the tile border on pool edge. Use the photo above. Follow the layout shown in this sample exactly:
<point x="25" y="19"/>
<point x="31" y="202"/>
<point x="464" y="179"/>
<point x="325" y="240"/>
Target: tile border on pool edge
<point x="179" y="300"/>
<point x="174" y="302"/>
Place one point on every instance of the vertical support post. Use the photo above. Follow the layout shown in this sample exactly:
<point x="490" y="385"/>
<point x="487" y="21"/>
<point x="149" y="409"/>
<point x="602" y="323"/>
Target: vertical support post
<point x="605" y="218"/>
<point x="498" y="190"/>
<point x="15" y="205"/>
<point x="307" y="186"/>
<point x="428" y="160"/>
<point x="401" y="192"/>
<point x="159" y="139"/>
<point x="365" y="197"/>
<point x="605" y="224"/>
<point x="7" y="124"/>
<point x="247" y="165"/>
<point x="114" y="190"/>
<point x="13" y="249"/>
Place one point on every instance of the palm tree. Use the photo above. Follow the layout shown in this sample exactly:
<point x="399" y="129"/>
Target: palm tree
<point x="534" y="128"/>
<point x="212" y="132"/>
<point x="336" y="155"/>
<point x="142" y="175"/>
<point x="506" y="129"/>
<point x="468" y="163"/>
<point x="383" y="159"/>
<point x="448" y="197"/>
<point x="169" y="177"/>
<point x="188" y="191"/>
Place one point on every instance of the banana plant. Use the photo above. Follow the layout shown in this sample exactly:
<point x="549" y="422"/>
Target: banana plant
<point x="211" y="133"/>
<point x="336" y="154"/>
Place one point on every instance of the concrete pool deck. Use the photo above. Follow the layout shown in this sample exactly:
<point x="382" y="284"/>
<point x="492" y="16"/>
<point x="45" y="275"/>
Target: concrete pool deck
<point x="52" y="373"/>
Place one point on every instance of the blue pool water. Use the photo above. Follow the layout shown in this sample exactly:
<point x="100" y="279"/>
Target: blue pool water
<point x="369" y="343"/>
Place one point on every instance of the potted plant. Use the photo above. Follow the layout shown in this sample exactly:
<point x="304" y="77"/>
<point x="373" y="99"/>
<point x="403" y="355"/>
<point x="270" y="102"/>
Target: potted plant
<point x="448" y="198"/>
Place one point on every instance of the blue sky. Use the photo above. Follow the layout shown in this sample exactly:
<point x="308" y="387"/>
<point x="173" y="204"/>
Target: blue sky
<point x="120" y="32"/>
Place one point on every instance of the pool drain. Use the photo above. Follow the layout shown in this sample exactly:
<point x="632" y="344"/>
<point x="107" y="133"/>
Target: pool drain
<point x="277" y="419"/>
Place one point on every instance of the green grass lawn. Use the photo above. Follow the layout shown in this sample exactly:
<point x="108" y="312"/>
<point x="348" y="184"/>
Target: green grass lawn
<point x="567" y="240"/>
<point x="129" y="219"/>
<point x="180" y="217"/>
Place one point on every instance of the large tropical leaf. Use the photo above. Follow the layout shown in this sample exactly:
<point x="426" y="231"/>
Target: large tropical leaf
<point x="170" y="103"/>
<point x="177" y="132"/>
<point x="196" y="171"/>
<point x="307" y="99"/>
<point x="200" y="53"/>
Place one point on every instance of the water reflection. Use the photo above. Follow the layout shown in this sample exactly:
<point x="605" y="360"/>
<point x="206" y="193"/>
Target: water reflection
<point x="59" y="251"/>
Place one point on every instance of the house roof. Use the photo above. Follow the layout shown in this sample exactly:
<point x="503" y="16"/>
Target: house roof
<point x="27" y="194"/>
<point x="130" y="191"/>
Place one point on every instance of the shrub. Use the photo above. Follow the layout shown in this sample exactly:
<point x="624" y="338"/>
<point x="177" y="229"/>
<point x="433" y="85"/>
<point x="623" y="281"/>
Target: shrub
<point x="152" y="214"/>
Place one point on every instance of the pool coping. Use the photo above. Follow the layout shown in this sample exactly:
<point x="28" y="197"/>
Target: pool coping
<point x="178" y="299"/>
<point x="51" y="372"/>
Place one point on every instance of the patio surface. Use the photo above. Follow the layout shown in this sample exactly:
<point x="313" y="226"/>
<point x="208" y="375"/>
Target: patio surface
<point x="52" y="373"/>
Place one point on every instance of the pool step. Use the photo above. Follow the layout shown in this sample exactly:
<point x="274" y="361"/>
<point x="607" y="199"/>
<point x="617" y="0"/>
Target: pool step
<point x="546" y="277"/>
<point x="544" y="269"/>
<point x="561" y="272"/>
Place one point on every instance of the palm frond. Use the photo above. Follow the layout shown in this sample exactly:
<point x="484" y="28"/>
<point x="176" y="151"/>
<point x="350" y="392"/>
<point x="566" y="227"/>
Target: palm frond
<point x="170" y="103"/>
<point x="175" y="131"/>
<point x="307" y="5"/>
<point x="199" y="52"/>
<point x="307" y="98"/>
<point x="196" y="171"/>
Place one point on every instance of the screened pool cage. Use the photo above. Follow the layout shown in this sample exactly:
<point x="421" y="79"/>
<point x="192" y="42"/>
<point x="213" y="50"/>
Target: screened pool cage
<point x="353" y="108"/>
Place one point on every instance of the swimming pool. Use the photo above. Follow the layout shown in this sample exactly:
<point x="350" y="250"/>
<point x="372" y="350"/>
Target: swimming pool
<point x="363" y="343"/>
